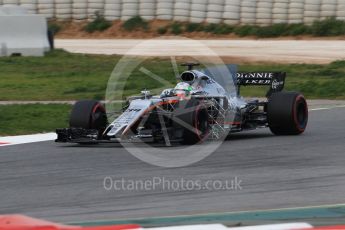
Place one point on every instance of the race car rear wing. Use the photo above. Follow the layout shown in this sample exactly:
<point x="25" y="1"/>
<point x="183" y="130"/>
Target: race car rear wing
<point x="276" y="80"/>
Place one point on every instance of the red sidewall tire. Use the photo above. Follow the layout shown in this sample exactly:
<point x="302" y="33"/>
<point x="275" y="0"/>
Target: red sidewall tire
<point x="88" y="114"/>
<point x="194" y="114"/>
<point x="287" y="113"/>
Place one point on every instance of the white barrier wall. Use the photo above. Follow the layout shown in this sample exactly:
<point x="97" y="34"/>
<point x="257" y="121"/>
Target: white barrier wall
<point x="112" y="9"/>
<point x="94" y="6"/>
<point x="130" y="8"/>
<point x="46" y="8"/>
<point x="27" y="35"/>
<point x="296" y="11"/>
<point x="260" y="12"/>
<point x="79" y="9"/>
<point x="165" y="9"/>
<point x="198" y="11"/>
<point x="147" y="9"/>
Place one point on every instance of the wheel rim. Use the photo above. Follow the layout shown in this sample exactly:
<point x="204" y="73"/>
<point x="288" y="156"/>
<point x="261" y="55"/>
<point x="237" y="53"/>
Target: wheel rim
<point x="98" y="119"/>
<point x="301" y="116"/>
<point x="202" y="125"/>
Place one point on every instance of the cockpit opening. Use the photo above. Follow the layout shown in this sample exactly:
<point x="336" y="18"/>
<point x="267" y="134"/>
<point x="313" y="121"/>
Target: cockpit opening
<point x="188" y="77"/>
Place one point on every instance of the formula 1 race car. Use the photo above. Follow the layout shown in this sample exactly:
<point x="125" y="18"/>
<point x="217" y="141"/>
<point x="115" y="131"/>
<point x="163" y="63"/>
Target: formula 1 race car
<point x="201" y="107"/>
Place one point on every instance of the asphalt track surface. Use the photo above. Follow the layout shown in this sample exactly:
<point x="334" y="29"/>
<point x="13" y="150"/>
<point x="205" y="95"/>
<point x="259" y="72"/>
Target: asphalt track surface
<point x="236" y="51"/>
<point x="65" y="182"/>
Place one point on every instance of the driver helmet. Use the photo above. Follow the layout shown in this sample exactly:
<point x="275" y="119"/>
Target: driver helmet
<point x="183" y="89"/>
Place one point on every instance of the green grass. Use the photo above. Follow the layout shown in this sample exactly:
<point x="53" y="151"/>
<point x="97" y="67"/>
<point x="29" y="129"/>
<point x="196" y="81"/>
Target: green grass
<point x="65" y="76"/>
<point x="99" y="24"/>
<point x="176" y="28"/>
<point x="26" y="119"/>
<point x="135" y="23"/>
<point x="57" y="76"/>
<point x="54" y="27"/>
<point x="191" y="27"/>
<point x="327" y="27"/>
<point x="323" y="28"/>
<point x="162" y="30"/>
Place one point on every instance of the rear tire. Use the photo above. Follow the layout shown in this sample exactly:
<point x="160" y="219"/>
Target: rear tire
<point x="287" y="113"/>
<point x="88" y="114"/>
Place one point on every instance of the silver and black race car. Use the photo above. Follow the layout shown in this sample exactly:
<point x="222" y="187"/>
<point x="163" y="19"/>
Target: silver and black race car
<point x="204" y="105"/>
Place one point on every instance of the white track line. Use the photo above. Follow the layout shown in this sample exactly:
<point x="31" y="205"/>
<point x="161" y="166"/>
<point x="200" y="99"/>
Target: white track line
<point x="317" y="109"/>
<point x="328" y="108"/>
<point x="289" y="226"/>
<point x="24" y="139"/>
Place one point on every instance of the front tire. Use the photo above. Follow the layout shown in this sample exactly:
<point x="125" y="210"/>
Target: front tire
<point x="191" y="116"/>
<point x="88" y="114"/>
<point x="287" y="113"/>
